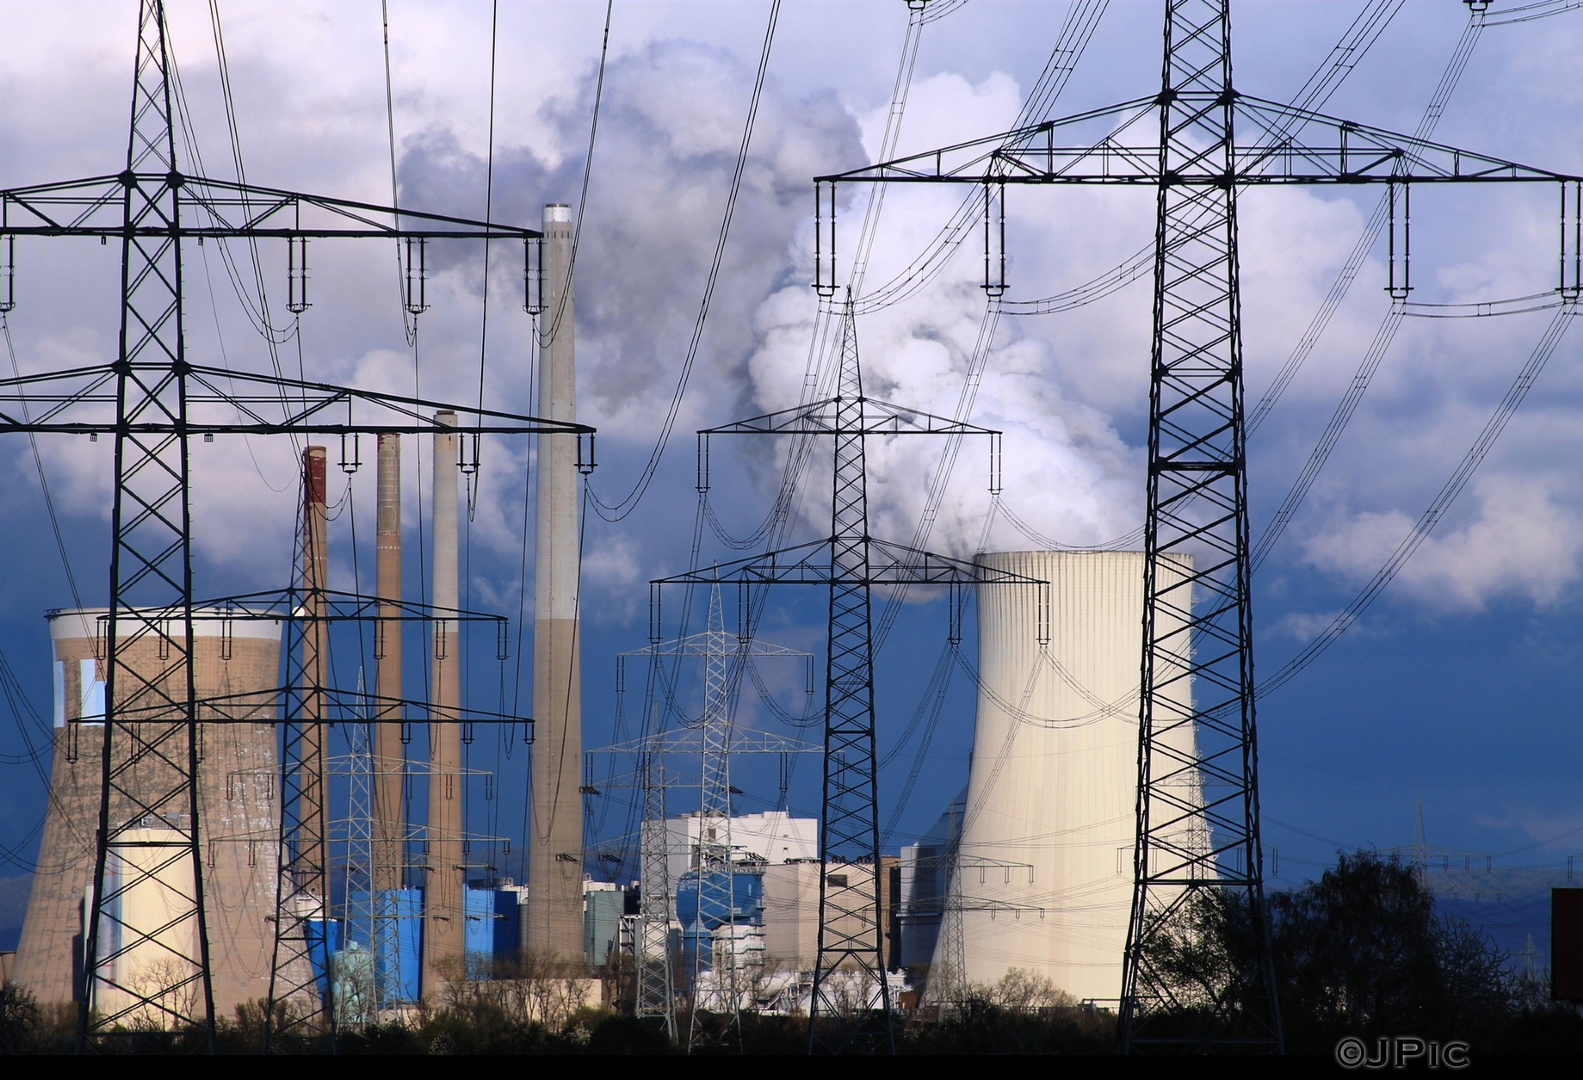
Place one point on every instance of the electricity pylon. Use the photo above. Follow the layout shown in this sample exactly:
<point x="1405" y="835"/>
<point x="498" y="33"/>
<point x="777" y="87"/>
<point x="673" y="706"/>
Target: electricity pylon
<point x="135" y="974"/>
<point x="849" y="563"/>
<point x="715" y="741"/>
<point x="1198" y="809"/>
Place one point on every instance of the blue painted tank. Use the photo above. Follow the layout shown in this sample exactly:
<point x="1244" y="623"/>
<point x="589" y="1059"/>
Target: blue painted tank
<point x="397" y="967"/>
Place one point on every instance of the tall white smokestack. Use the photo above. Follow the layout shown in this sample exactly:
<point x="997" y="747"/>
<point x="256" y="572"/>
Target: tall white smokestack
<point x="555" y="837"/>
<point x="444" y="922"/>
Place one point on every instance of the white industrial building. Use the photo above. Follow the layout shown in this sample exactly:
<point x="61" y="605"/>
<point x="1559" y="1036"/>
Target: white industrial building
<point x="1043" y="878"/>
<point x="772" y="837"/>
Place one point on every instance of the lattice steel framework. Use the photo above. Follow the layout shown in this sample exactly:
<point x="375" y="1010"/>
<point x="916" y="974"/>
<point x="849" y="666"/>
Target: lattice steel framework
<point x="716" y="890"/>
<point x="1198" y="810"/>
<point x="715" y="741"/>
<point x="148" y="818"/>
<point x="851" y="962"/>
<point x="301" y="959"/>
<point x="153" y="400"/>
<point x="656" y="989"/>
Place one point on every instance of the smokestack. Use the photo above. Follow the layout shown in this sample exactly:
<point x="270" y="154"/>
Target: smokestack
<point x="315" y="652"/>
<point x="444" y="935"/>
<point x="555" y="841"/>
<point x="388" y="753"/>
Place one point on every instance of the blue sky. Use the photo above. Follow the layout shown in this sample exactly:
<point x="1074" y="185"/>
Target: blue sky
<point x="1457" y="687"/>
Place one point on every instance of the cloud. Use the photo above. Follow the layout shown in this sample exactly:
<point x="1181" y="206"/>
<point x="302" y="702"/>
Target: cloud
<point x="1524" y="542"/>
<point x="1304" y="626"/>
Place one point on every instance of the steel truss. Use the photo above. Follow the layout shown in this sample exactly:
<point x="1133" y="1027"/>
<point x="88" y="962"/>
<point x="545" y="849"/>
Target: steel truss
<point x="849" y="563"/>
<point x="1198" y="808"/>
<point x="714" y="741"/>
<point x="153" y="401"/>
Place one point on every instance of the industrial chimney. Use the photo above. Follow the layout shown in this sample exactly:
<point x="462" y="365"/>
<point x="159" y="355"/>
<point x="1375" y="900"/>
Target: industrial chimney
<point x="555" y="861"/>
<point x="444" y="922"/>
<point x="389" y="827"/>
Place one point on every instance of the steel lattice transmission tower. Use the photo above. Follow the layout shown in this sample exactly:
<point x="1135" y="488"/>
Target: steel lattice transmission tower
<point x="149" y="834"/>
<point x="714" y="741"/>
<point x="149" y="779"/>
<point x="1197" y="812"/>
<point x="850" y="562"/>
<point x="716" y="884"/>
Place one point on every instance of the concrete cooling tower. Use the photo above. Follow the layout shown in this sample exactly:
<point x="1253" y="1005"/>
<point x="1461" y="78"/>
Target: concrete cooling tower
<point x="1043" y="877"/>
<point x="238" y="808"/>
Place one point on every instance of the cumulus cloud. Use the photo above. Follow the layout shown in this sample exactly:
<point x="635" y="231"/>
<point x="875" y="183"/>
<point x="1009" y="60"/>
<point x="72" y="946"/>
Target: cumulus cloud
<point x="1069" y="390"/>
<point x="1524" y="541"/>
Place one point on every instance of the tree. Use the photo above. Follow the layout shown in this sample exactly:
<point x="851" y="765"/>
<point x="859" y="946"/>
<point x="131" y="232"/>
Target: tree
<point x="1358" y="952"/>
<point x="1361" y="952"/>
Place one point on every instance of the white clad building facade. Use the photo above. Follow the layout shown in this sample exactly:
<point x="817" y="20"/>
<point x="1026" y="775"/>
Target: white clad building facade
<point x="1043" y="880"/>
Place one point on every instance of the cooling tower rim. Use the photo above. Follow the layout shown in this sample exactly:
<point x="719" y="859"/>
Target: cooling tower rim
<point x="69" y="624"/>
<point x="1045" y="553"/>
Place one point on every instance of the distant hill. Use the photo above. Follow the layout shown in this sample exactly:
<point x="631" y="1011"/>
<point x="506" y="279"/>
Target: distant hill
<point x="13" y="907"/>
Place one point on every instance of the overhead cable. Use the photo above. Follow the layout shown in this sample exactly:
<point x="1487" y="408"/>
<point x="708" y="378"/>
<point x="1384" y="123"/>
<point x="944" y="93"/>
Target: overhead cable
<point x="619" y="509"/>
<point x="1078" y="27"/>
<point x="1331" y="435"/>
<point x="1360" y="250"/>
<point x="1437" y="509"/>
<point x="474" y="477"/>
<point x="1522" y="13"/>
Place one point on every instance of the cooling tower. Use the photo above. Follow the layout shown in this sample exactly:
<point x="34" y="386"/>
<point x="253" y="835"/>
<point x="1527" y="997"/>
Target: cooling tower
<point x="1043" y="877"/>
<point x="238" y="809"/>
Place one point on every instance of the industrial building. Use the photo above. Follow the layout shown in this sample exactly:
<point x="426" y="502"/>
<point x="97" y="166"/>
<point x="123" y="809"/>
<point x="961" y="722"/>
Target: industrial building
<point x="389" y="922"/>
<point x="922" y="883"/>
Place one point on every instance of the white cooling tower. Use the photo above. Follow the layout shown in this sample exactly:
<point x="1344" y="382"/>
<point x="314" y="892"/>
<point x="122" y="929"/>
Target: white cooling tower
<point x="1043" y="880"/>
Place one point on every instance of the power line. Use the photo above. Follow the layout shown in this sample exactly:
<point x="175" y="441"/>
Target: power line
<point x="1437" y="509"/>
<point x="625" y="505"/>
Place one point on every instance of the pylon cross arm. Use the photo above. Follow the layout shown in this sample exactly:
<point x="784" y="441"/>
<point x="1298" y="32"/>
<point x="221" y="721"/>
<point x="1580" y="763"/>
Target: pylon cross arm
<point x="92" y="206"/>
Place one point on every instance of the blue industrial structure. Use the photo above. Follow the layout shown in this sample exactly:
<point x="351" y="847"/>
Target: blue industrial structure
<point x="702" y="909"/>
<point x="491" y="934"/>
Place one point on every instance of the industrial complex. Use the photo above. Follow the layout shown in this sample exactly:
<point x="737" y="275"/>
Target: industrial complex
<point x="281" y="809"/>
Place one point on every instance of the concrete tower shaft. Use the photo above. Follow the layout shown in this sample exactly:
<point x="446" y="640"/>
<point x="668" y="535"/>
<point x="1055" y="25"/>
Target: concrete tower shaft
<point x="388" y="826"/>
<point x="444" y="921"/>
<point x="555" y="840"/>
<point x="315" y="671"/>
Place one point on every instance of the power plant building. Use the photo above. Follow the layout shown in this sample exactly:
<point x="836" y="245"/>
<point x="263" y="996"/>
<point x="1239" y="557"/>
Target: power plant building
<point x="1043" y="874"/>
